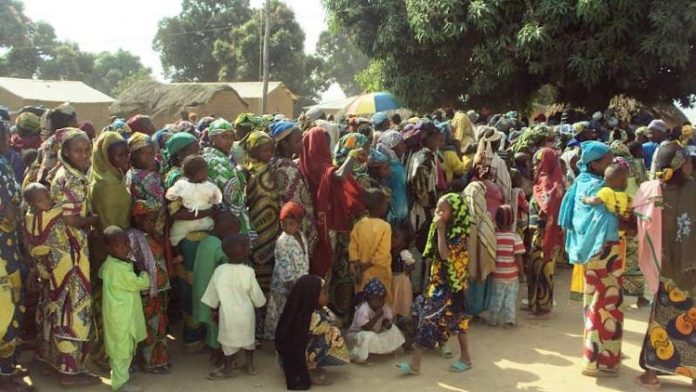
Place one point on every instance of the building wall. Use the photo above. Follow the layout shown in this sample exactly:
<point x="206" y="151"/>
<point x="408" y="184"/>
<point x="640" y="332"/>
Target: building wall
<point x="278" y="102"/>
<point x="96" y="112"/>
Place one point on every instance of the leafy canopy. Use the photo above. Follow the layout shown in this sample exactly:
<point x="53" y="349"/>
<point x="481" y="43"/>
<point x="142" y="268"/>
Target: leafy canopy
<point x="499" y="53"/>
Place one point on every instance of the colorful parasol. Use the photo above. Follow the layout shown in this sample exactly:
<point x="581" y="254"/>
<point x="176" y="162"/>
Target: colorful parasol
<point x="372" y="103"/>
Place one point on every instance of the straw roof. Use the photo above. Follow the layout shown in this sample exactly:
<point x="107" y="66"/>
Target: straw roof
<point x="157" y="98"/>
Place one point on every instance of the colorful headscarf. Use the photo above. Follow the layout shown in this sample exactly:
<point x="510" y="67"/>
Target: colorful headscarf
<point x="548" y="194"/>
<point x="665" y="174"/>
<point x="377" y="158"/>
<point x="158" y="137"/>
<point x="621" y="162"/>
<point x="591" y="151"/>
<point x="255" y="139"/>
<point x="144" y="207"/>
<point x="375" y="287"/>
<point x="388" y="141"/>
<point x="219" y="126"/>
<point x="88" y="127"/>
<point x="28" y="122"/>
<point x="620" y="149"/>
<point x="63" y="136"/>
<point x="457" y="230"/>
<point x="139" y="140"/>
<point x="176" y="143"/>
<point x="139" y="122"/>
<point x="249" y="120"/>
<point x="532" y="137"/>
<point x="204" y="123"/>
<point x="348" y="143"/>
<point x="292" y="210"/>
<point x="281" y="129"/>
<point x="120" y="126"/>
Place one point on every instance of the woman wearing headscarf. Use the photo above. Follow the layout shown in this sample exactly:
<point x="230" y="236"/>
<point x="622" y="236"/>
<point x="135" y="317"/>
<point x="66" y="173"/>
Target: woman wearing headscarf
<point x="143" y="179"/>
<point x="178" y="147"/>
<point x="489" y="142"/>
<point x="592" y="241"/>
<point x="160" y="138"/>
<point x="633" y="282"/>
<point x="305" y="340"/>
<point x="221" y="172"/>
<point x="71" y="325"/>
<point x="444" y="312"/>
<point x="11" y="290"/>
<point x="348" y="143"/>
<point x="392" y="145"/>
<point x="547" y="236"/>
<point x="337" y="203"/>
<point x="667" y="347"/>
<point x="463" y="130"/>
<point x="289" y="178"/>
<point x="42" y="169"/>
<point x="264" y="200"/>
<point x="27" y="134"/>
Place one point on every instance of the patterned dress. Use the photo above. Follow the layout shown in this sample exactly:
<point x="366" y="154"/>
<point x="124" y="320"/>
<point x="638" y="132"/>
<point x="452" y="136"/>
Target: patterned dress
<point x="231" y="182"/>
<point x="66" y="311"/>
<point x="11" y="296"/>
<point x="326" y="346"/>
<point x="145" y="185"/>
<point x="291" y="262"/>
<point x="293" y="187"/>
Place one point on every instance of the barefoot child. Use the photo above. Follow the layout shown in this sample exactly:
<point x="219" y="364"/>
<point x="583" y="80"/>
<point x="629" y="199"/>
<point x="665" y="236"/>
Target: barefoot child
<point x="444" y="307"/>
<point x="372" y="331"/>
<point x="196" y="194"/>
<point x="122" y="309"/>
<point x="369" y="250"/>
<point x="209" y="256"/>
<point x="509" y="269"/>
<point x="234" y="289"/>
<point x="291" y="262"/>
<point x="148" y="255"/>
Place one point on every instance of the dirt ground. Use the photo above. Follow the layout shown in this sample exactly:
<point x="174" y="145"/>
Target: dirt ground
<point x="535" y="356"/>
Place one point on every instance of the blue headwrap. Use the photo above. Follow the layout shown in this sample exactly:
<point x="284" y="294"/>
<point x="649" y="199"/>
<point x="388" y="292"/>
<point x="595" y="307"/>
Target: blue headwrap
<point x="375" y="287"/>
<point x="376" y="157"/>
<point x="281" y="129"/>
<point x="588" y="228"/>
<point x="378" y="118"/>
<point x="591" y="151"/>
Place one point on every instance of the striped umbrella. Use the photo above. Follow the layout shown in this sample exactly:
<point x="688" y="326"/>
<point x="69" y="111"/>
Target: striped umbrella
<point x="372" y="103"/>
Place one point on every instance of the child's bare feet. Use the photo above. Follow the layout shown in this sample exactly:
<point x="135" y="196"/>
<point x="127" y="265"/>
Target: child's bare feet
<point x="250" y="365"/>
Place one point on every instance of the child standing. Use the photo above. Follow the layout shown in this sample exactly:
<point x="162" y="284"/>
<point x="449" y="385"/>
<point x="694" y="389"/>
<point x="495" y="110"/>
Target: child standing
<point x="148" y="255"/>
<point x="291" y="262"/>
<point x="402" y="265"/>
<point x="196" y="193"/>
<point x="369" y="250"/>
<point x="235" y="290"/>
<point x="122" y="309"/>
<point x="372" y="331"/>
<point x="509" y="269"/>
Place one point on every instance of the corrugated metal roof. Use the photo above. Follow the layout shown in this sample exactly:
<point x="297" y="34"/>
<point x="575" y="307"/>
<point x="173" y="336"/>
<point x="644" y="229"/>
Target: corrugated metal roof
<point x="255" y="89"/>
<point x="53" y="90"/>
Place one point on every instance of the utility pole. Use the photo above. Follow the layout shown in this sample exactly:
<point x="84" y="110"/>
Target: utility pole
<point x="266" y="57"/>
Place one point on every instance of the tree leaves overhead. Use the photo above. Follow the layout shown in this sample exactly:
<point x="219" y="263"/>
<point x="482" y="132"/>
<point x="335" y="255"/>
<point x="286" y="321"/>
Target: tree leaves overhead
<point x="185" y="42"/>
<point x="341" y="62"/>
<point x="499" y="53"/>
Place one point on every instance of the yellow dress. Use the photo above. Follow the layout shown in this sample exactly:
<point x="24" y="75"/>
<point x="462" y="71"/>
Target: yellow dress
<point x="370" y="241"/>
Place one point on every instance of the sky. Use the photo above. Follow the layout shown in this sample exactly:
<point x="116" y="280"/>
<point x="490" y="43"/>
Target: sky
<point x="99" y="25"/>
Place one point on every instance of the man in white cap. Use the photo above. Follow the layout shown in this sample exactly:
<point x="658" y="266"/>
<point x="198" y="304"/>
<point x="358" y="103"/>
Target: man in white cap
<point x="658" y="135"/>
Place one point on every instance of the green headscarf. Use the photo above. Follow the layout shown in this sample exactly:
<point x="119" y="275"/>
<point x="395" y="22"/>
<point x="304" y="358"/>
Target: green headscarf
<point x="107" y="188"/>
<point x="175" y="143"/>
<point x="219" y="126"/>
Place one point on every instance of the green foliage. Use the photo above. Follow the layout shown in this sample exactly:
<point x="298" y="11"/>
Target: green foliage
<point x="32" y="50"/>
<point x="239" y="54"/>
<point x="343" y="63"/>
<point x="497" y="54"/>
<point x="371" y="79"/>
<point x="185" y="42"/>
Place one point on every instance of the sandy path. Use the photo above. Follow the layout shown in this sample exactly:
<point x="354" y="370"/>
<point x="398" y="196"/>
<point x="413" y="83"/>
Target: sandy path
<point x="535" y="356"/>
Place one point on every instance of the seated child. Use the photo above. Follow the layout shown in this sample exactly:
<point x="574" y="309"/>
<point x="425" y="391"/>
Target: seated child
<point x="402" y="265"/>
<point x="291" y="262"/>
<point x="148" y="255"/>
<point x="369" y="250"/>
<point x="613" y="195"/>
<point x="234" y="289"/>
<point x="509" y="269"/>
<point x="122" y="309"/>
<point x="196" y="194"/>
<point x="372" y="331"/>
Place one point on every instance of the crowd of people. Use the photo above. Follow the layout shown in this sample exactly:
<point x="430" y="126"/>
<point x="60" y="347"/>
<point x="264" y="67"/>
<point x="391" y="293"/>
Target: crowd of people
<point x="336" y="240"/>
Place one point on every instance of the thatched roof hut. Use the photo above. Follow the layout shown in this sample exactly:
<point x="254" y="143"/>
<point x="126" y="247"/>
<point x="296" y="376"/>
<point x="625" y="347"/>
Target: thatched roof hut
<point x="164" y="102"/>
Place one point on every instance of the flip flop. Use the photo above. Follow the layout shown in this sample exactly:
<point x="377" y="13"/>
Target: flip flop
<point x="459" y="367"/>
<point x="406" y="369"/>
<point x="445" y="352"/>
<point x="652" y="386"/>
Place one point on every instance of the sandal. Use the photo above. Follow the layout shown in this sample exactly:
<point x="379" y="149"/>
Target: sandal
<point x="653" y="386"/>
<point x="445" y="352"/>
<point x="460" y="367"/>
<point x="406" y="369"/>
<point x="219" y="374"/>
